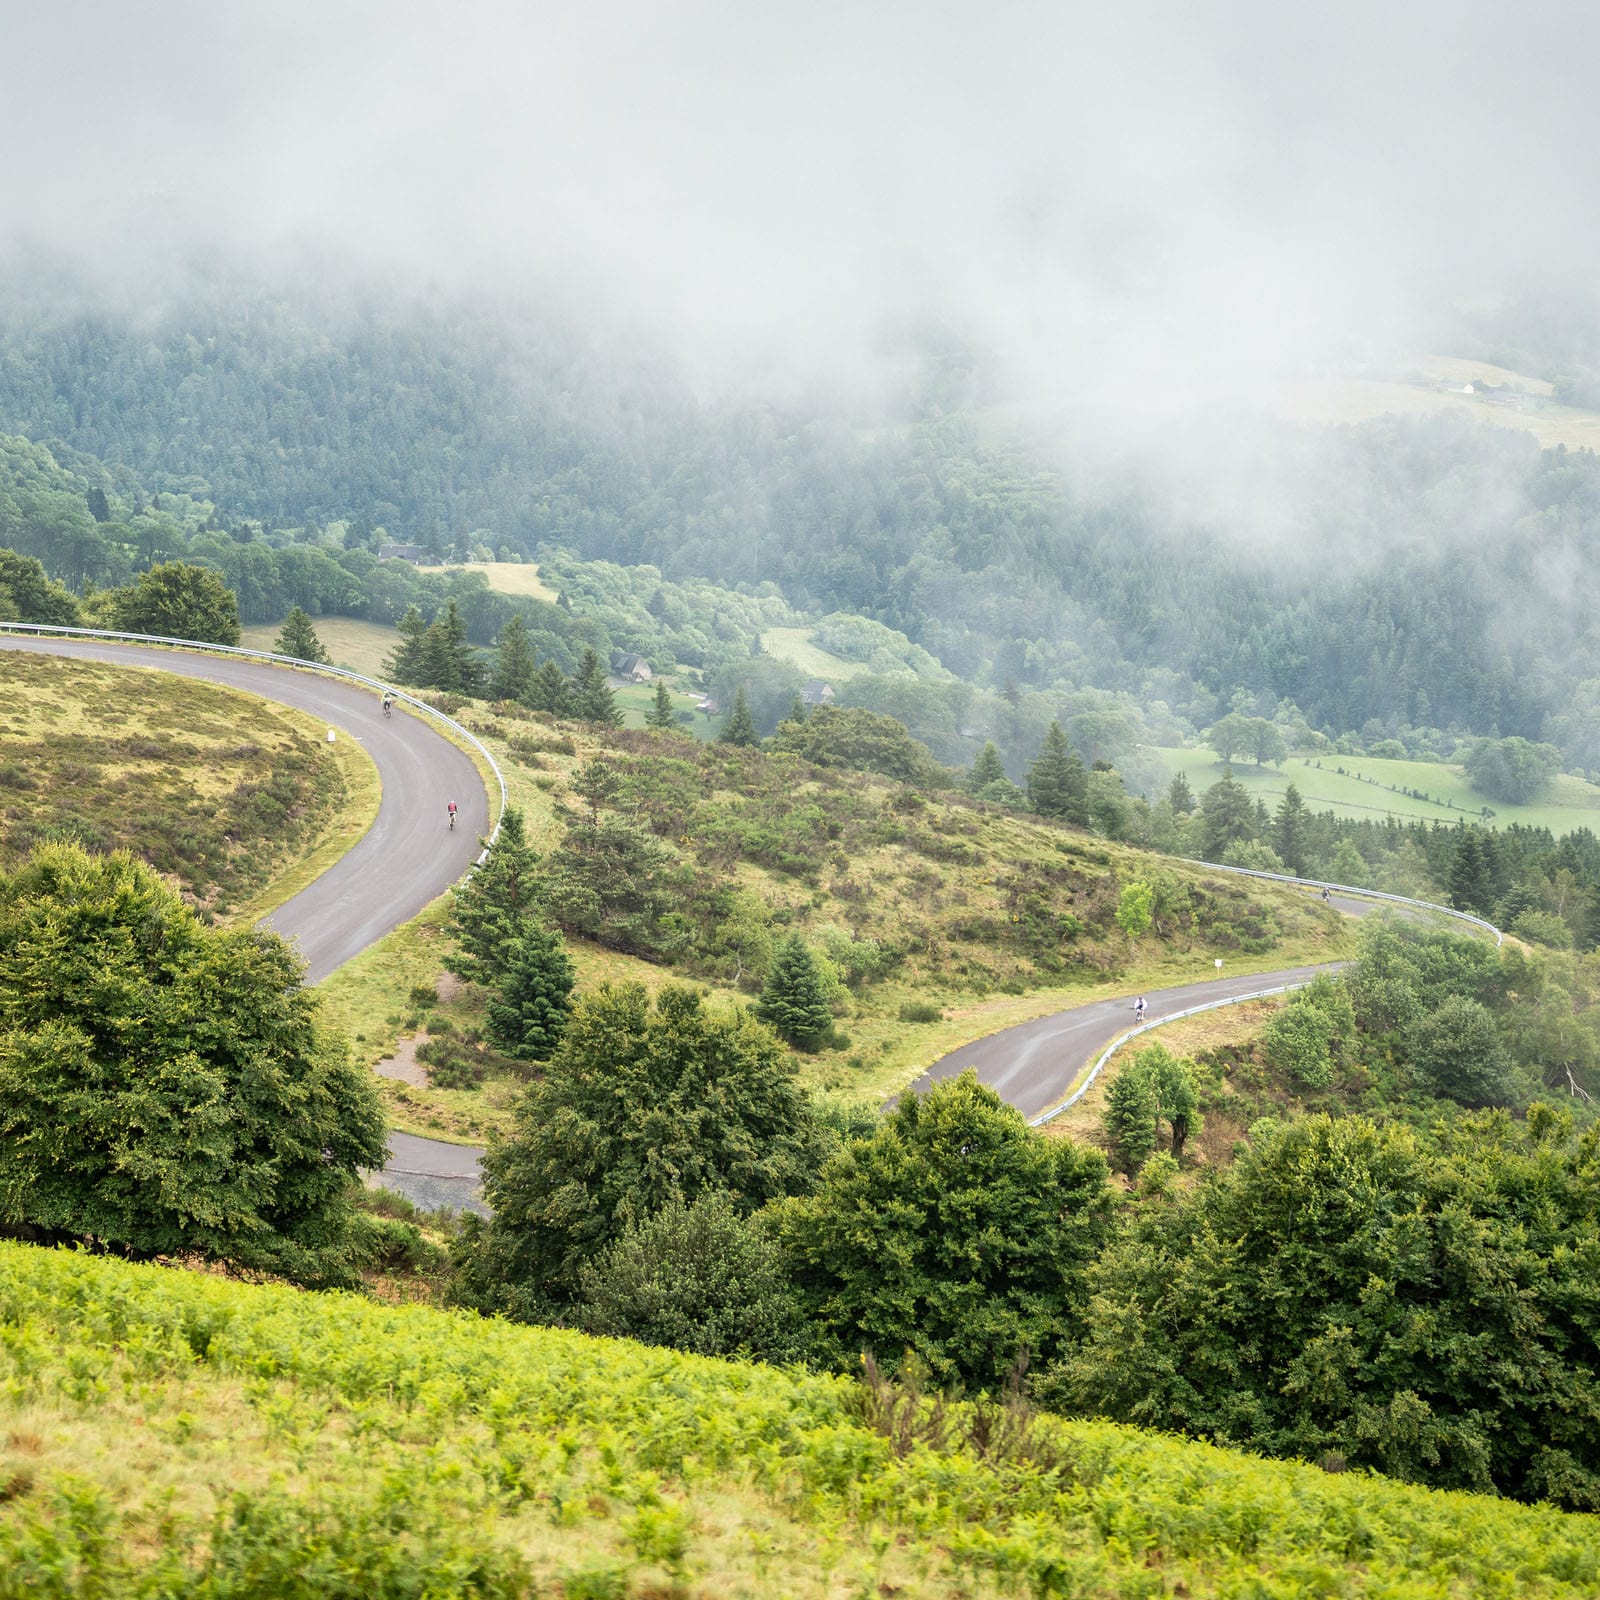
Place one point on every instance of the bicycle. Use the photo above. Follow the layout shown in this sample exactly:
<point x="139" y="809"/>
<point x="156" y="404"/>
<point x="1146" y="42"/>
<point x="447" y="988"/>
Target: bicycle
<point x="452" y="816"/>
<point x="388" y="704"/>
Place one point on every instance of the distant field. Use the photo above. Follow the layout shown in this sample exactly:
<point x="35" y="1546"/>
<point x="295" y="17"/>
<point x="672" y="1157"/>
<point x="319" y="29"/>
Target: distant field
<point x="509" y="577"/>
<point x="1364" y="789"/>
<point x="1434" y="384"/>
<point x="635" y="699"/>
<point x="360" y="646"/>
<point x="794" y="645"/>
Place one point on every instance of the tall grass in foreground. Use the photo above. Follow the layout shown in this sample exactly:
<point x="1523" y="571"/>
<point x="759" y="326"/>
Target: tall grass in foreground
<point x="167" y="1433"/>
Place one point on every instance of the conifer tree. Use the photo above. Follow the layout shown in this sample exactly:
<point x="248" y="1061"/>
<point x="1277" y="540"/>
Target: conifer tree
<point x="740" y="727"/>
<point x="793" y="998"/>
<point x="1291" y="832"/>
<point x="1130" y="1116"/>
<point x="1180" y="796"/>
<point x="798" y="710"/>
<point x="299" y="639"/>
<point x="1058" y="785"/>
<point x="661" y="716"/>
<point x="492" y="909"/>
<point x="513" y="667"/>
<point x="591" y="698"/>
<point x="406" y="664"/>
<point x="987" y="768"/>
<point x="550" y="691"/>
<point x="528" y="1010"/>
<point x="1227" y="816"/>
<point x="1471" y="886"/>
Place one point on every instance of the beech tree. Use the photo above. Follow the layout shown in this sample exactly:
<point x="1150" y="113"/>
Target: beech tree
<point x="644" y="1101"/>
<point x="177" y="600"/>
<point x="165" y="1088"/>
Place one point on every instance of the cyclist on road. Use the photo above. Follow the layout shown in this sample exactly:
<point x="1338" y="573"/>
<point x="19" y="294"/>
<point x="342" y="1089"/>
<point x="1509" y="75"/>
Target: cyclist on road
<point x="388" y="700"/>
<point x="452" y="810"/>
<point x="1138" y="1009"/>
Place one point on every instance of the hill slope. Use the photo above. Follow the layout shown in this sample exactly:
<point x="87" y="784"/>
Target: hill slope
<point x="164" y="1432"/>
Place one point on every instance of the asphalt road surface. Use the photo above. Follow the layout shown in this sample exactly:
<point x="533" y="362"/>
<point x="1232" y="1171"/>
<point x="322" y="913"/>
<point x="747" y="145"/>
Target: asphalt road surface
<point x="407" y="858"/>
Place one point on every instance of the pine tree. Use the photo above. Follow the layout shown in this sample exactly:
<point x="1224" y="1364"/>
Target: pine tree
<point x="1291" y="830"/>
<point x="1180" y="796"/>
<point x="550" y="691"/>
<point x="406" y="664"/>
<point x="987" y="768"/>
<point x="1130" y="1116"/>
<point x="513" y="667"/>
<point x="493" y="908"/>
<point x="299" y="639"/>
<point x="591" y="697"/>
<point x="740" y="727"/>
<point x="528" y="1010"/>
<point x="661" y="716"/>
<point x="1058" y="786"/>
<point x="1470" y="885"/>
<point x="464" y="668"/>
<point x="793" y="999"/>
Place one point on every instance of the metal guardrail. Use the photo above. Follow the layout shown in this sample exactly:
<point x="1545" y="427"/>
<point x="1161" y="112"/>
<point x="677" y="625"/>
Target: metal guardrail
<point x="43" y="628"/>
<point x="1145" y="1027"/>
<point x="1369" y="894"/>
<point x="1259" y="994"/>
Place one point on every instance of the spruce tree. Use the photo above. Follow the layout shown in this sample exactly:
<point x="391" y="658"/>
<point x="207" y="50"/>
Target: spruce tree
<point x="550" y="691"/>
<point x="513" y="666"/>
<point x="1291" y="832"/>
<point x="591" y="697"/>
<point x="661" y="716"/>
<point x="987" y="768"/>
<point x="465" y="671"/>
<point x="492" y="908"/>
<point x="1180" y="796"/>
<point x="1058" y="785"/>
<point x="740" y="727"/>
<point x="793" y="999"/>
<point x="528" y="1010"/>
<point x="406" y="664"/>
<point x="299" y="639"/>
<point x="1130" y="1117"/>
<point x="1471" y="887"/>
<point x="798" y="710"/>
<point x="1227" y="816"/>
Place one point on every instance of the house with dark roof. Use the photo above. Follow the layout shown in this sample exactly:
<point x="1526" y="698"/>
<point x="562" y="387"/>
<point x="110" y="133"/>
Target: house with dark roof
<point x="817" y="693"/>
<point x="416" y="554"/>
<point x="629" y="667"/>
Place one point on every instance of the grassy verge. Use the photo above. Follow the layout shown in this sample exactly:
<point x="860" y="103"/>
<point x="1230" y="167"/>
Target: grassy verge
<point x="346" y="829"/>
<point x="165" y="1432"/>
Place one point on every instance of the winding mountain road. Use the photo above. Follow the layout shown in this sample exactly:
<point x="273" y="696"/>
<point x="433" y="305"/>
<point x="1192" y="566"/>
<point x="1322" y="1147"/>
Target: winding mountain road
<point x="408" y="858"/>
<point x="405" y="860"/>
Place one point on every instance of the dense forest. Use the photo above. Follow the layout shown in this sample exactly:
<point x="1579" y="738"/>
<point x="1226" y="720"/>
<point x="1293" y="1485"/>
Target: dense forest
<point x="1459" y="600"/>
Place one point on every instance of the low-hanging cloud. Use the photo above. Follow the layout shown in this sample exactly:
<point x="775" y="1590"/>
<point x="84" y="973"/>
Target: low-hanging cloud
<point x="1139" y="209"/>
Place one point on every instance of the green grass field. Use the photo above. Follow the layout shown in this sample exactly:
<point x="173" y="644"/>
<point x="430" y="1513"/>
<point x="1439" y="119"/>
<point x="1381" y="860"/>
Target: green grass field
<point x="358" y="646"/>
<point x="1374" y="789"/>
<point x="509" y="577"/>
<point x="166" y="1432"/>
<point x="634" y="701"/>
<point x="794" y="645"/>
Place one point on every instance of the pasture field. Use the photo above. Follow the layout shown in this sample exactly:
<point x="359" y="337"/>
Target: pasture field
<point x="508" y="577"/>
<point x="794" y="645"/>
<point x="239" y="801"/>
<point x="350" y="643"/>
<point x="166" y="1432"/>
<point x="635" y="700"/>
<point x="1433" y="385"/>
<point x="1373" y="789"/>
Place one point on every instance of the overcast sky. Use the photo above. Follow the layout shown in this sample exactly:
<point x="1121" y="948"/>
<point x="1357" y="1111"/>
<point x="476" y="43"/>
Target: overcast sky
<point x="1111" y="195"/>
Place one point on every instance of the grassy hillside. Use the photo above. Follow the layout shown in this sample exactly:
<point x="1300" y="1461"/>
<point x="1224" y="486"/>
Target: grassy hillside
<point x="1373" y="789"/>
<point x="165" y="1432"/>
<point x="794" y="645"/>
<point x="241" y="802"/>
<point x="987" y="917"/>
<point x="509" y="577"/>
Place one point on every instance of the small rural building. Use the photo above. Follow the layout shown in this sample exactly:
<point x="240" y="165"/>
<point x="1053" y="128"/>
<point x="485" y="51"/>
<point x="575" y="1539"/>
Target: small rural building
<point x="817" y="693"/>
<point x="707" y="705"/>
<point x="417" y="554"/>
<point x="630" y="668"/>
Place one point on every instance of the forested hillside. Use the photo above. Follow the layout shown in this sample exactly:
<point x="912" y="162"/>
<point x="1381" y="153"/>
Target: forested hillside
<point x="1411" y="573"/>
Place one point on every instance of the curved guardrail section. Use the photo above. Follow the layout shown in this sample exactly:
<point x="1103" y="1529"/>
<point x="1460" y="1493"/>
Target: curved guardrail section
<point x="1366" y="894"/>
<point x="44" y="628"/>
<point x="1259" y="994"/>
